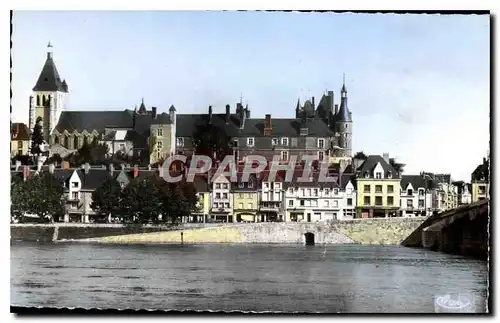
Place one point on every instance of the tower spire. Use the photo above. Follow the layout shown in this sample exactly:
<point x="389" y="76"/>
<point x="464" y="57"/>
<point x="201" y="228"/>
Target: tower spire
<point x="343" y="84"/>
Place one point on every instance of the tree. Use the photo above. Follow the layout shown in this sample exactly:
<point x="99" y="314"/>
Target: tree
<point x="44" y="196"/>
<point x="37" y="137"/>
<point x="140" y="202"/>
<point x="106" y="200"/>
<point x="54" y="159"/>
<point x="18" y="198"/>
<point x="210" y="140"/>
<point x="360" y="155"/>
<point x="176" y="200"/>
<point x="397" y="166"/>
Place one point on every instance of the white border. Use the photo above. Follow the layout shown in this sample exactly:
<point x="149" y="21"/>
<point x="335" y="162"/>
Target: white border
<point x="181" y="5"/>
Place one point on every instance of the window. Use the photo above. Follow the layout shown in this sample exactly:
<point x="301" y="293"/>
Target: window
<point x="275" y="141"/>
<point x="390" y="200"/>
<point x="284" y="141"/>
<point x="378" y="200"/>
<point x="290" y="190"/>
<point x="250" y="206"/>
<point x="321" y="143"/>
<point x="74" y="184"/>
<point x="308" y="192"/>
<point x="159" y="145"/>
<point x="336" y="191"/>
<point x="389" y="174"/>
<point x="241" y="206"/>
<point x="241" y="185"/>
<point x="76" y="143"/>
<point x="20" y="144"/>
<point x="266" y="185"/>
<point x="217" y="195"/>
<point x="159" y="156"/>
<point x="409" y="203"/>
<point x="410" y="191"/>
<point x="321" y="155"/>
<point x="421" y="192"/>
<point x="290" y="202"/>
<point x="74" y="195"/>
<point x="314" y="203"/>
<point x="304" y="131"/>
<point x="420" y="203"/>
<point x="335" y="203"/>
<point x="217" y="185"/>
<point x="250" y="184"/>
<point x="301" y="202"/>
<point x="315" y="192"/>
<point x="224" y="186"/>
<point x="284" y="155"/>
<point x="366" y="189"/>
<point x="302" y="192"/>
<point x="224" y="195"/>
<point x="349" y="201"/>
<point x="378" y="188"/>
<point x="327" y="203"/>
<point x="250" y="142"/>
<point x="121" y="147"/>
<point x="180" y="142"/>
<point x="277" y="186"/>
<point x="159" y="132"/>
<point x="85" y="140"/>
<point x="390" y="188"/>
<point x="367" y="175"/>
<point x="366" y="200"/>
<point x="216" y="205"/>
<point x="227" y="205"/>
<point x="482" y="189"/>
<point x="378" y="175"/>
<point x="326" y="191"/>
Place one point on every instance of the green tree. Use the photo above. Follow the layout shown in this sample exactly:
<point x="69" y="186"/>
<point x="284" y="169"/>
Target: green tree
<point x="399" y="167"/>
<point x="106" y="200"/>
<point x="140" y="203"/>
<point x="18" y="198"/>
<point x="37" y="137"/>
<point x="45" y="196"/>
<point x="177" y="200"/>
<point x="360" y="155"/>
<point x="213" y="141"/>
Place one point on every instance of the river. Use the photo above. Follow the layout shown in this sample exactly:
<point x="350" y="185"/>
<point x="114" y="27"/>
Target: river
<point x="285" y="278"/>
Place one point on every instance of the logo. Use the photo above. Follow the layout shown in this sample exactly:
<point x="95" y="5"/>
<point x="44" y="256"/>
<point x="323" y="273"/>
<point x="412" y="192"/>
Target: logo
<point x="454" y="303"/>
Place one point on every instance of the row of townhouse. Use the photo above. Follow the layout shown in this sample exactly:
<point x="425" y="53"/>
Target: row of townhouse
<point x="370" y="188"/>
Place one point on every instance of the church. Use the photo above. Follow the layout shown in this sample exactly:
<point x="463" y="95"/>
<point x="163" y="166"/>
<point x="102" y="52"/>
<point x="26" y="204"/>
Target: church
<point x="324" y="131"/>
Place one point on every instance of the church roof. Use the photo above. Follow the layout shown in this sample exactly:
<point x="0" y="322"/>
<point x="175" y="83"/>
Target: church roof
<point x="49" y="79"/>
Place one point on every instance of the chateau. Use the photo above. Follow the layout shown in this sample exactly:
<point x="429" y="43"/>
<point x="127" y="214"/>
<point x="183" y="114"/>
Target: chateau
<point x="323" y="130"/>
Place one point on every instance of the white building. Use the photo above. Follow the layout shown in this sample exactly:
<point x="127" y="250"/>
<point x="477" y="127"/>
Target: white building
<point x="416" y="197"/>
<point x="220" y="200"/>
<point x="271" y="198"/>
<point x="348" y="197"/>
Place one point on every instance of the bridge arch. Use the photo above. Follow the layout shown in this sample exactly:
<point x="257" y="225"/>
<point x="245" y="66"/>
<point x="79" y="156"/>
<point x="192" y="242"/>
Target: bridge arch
<point x="309" y="237"/>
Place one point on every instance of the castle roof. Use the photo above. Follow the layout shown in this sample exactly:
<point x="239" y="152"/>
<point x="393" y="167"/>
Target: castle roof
<point x="49" y="79"/>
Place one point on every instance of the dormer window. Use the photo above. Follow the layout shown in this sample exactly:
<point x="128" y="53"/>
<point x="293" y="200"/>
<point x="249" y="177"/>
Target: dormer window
<point x="241" y="185"/>
<point x="180" y="141"/>
<point x="275" y="141"/>
<point x="284" y="141"/>
<point x="389" y="174"/>
<point x="250" y="184"/>
<point x="378" y="175"/>
<point x="410" y="191"/>
<point x="367" y="175"/>
<point x="250" y="142"/>
<point x="321" y="143"/>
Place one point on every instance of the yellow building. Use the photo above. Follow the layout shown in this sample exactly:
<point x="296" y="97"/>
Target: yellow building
<point x="480" y="182"/>
<point x="245" y="200"/>
<point x="19" y="139"/>
<point x="379" y="188"/>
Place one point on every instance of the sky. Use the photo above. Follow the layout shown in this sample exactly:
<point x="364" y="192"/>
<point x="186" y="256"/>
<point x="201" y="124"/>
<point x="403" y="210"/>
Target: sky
<point x="418" y="85"/>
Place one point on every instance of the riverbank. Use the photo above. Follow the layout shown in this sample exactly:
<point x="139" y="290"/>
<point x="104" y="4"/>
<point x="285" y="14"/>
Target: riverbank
<point x="384" y="231"/>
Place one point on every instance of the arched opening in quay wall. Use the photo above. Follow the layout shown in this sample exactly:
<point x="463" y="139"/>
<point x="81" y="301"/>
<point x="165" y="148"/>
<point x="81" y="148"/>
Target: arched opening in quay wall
<point x="309" y="236"/>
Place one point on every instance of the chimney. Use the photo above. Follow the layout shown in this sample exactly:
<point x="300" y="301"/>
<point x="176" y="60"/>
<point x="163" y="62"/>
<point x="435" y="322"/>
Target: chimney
<point x="111" y="169"/>
<point x="268" y="128"/>
<point x="330" y="101"/>
<point x="336" y="108"/>
<point x="314" y="106"/>
<point x="18" y="164"/>
<point x="484" y="161"/>
<point x="86" y="168"/>
<point x="247" y="112"/>
<point x="26" y="172"/>
<point x="136" y="172"/>
<point x="153" y="109"/>
<point x="51" y="168"/>
<point x="386" y="157"/>
<point x="228" y="112"/>
<point x="65" y="165"/>
<point x="241" y="115"/>
<point x="210" y="115"/>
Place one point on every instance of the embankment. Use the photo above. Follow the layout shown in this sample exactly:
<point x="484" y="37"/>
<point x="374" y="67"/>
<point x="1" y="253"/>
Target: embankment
<point x="363" y="231"/>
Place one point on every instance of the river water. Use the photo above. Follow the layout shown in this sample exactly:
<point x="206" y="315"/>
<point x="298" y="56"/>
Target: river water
<point x="285" y="278"/>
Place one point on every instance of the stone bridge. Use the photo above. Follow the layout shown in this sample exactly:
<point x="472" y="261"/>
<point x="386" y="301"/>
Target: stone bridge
<point x="364" y="231"/>
<point x="464" y="230"/>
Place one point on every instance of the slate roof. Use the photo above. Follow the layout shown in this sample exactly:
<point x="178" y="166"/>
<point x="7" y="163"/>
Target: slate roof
<point x="371" y="162"/>
<point x="19" y="131"/>
<point x="416" y="181"/>
<point x="93" y="120"/>
<point x="481" y="171"/>
<point x="251" y="178"/>
<point x="49" y="79"/>
<point x="315" y="180"/>
<point x="345" y="178"/>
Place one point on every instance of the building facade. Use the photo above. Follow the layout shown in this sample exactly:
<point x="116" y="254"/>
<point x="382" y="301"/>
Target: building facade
<point x="19" y="139"/>
<point x="480" y="179"/>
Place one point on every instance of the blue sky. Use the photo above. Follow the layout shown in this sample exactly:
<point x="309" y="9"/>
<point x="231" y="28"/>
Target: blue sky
<point x="418" y="84"/>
